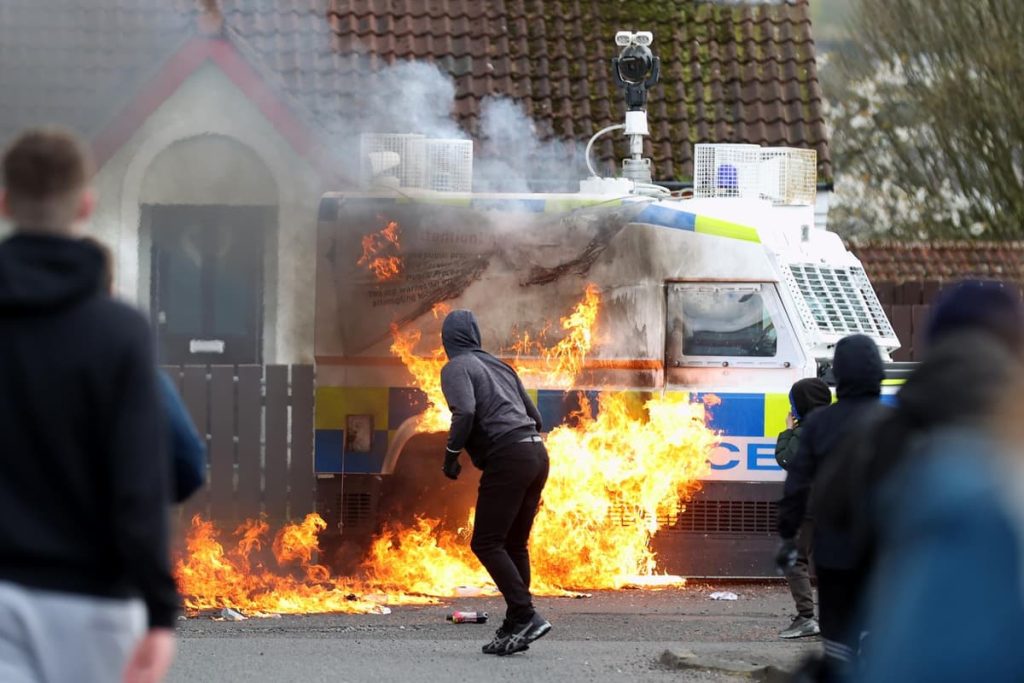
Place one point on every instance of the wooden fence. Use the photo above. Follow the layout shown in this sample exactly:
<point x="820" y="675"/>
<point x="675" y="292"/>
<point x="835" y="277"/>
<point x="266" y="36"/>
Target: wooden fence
<point x="908" y="305"/>
<point x="258" y="425"/>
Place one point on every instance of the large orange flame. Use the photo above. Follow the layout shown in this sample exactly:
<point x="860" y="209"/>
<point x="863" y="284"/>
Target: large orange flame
<point x="426" y="372"/>
<point x="616" y="478"/>
<point x="212" y="577"/>
<point x="381" y="253"/>
<point x="558" y="365"/>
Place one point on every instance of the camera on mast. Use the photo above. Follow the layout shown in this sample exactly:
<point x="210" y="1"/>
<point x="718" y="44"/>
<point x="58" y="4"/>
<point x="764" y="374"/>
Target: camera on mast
<point x="636" y="68"/>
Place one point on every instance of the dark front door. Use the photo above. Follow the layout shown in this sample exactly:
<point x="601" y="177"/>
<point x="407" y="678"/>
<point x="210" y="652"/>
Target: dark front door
<point x="207" y="289"/>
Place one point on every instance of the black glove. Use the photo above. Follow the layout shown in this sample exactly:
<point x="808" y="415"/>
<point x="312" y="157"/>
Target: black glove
<point x="785" y="556"/>
<point x="451" y="468"/>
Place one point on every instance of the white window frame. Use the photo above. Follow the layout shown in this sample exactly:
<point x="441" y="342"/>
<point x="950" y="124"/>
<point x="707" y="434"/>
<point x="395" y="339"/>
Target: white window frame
<point x="787" y="350"/>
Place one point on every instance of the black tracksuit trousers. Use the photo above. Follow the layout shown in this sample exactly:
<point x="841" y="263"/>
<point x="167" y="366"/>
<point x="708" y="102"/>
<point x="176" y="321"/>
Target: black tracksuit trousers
<point x="839" y="594"/>
<point x="509" y="494"/>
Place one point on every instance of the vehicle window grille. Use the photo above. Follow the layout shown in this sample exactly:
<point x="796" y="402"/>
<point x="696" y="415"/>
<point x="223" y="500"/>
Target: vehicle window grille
<point x="710" y="516"/>
<point x="838" y="301"/>
<point x="728" y="517"/>
<point x="355" y="509"/>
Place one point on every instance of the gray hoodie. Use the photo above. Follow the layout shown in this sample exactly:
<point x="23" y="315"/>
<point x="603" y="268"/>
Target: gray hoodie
<point x="490" y="407"/>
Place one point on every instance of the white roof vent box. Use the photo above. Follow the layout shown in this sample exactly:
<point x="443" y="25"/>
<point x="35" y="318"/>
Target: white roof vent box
<point x="412" y="161"/>
<point x="781" y="175"/>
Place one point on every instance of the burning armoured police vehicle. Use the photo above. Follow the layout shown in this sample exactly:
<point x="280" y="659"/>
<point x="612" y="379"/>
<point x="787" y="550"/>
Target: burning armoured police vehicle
<point x="658" y="334"/>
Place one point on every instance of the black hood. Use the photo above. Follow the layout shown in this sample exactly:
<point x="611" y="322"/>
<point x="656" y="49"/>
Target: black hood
<point x="45" y="272"/>
<point x="857" y="367"/>
<point x="808" y="394"/>
<point x="460" y="334"/>
<point x="961" y="379"/>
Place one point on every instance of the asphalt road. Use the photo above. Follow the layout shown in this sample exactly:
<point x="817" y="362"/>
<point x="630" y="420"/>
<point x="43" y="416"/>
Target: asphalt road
<point x="611" y="636"/>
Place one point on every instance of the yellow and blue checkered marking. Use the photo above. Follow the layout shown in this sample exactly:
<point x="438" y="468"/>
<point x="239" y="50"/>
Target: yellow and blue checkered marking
<point x="735" y="415"/>
<point x="684" y="220"/>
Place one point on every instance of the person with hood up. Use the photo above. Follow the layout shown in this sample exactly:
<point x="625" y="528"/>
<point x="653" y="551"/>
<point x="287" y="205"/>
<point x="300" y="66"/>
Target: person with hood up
<point x="498" y="425"/>
<point x="944" y="599"/>
<point x="86" y="590"/>
<point x="806" y="396"/>
<point x="858" y="371"/>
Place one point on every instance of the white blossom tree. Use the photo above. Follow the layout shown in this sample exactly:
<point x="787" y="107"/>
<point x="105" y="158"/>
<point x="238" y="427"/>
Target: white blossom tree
<point x="927" y="120"/>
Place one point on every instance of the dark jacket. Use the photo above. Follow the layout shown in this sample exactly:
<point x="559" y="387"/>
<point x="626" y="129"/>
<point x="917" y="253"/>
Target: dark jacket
<point x="786" y="445"/>
<point x="945" y="602"/>
<point x="857" y="367"/>
<point x="83" y="475"/>
<point x="188" y="452"/>
<point x="490" y="407"/>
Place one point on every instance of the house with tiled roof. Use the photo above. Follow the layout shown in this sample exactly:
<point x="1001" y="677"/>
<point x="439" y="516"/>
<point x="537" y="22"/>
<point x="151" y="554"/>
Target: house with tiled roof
<point x="218" y="124"/>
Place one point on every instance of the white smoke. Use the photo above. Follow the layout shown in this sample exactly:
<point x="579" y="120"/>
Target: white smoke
<point x="408" y="97"/>
<point x="509" y="154"/>
<point x="513" y="157"/>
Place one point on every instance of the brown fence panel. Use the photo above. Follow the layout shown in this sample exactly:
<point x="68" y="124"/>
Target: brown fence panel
<point x="884" y="292"/>
<point x="920" y="322"/>
<point x="902" y="323"/>
<point x="250" y="433"/>
<point x="194" y="391"/>
<point x="222" y="442"/>
<point x="258" y="428"/>
<point x="275" y="493"/>
<point x="931" y="291"/>
<point x="911" y="293"/>
<point x="301" y="477"/>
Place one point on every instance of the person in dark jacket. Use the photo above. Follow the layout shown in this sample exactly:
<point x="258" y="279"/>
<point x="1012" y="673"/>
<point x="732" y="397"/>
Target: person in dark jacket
<point x="188" y="451"/>
<point x="83" y="476"/>
<point x="806" y="396"/>
<point x="498" y="425"/>
<point x="857" y="367"/>
<point x="949" y="480"/>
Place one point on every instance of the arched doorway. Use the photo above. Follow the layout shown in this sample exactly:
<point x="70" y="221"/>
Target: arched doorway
<point x="209" y="214"/>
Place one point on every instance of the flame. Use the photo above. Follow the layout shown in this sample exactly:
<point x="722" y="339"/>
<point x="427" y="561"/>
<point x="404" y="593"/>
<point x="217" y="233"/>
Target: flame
<point x="381" y="253"/>
<point x="561" y="364"/>
<point x="616" y="478"/>
<point x="424" y="559"/>
<point x="558" y="365"/>
<point x="212" y="577"/>
<point x="426" y="373"/>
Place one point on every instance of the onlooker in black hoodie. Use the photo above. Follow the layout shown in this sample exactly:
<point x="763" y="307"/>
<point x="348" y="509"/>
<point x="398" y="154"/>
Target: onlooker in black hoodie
<point x="806" y="396"/>
<point x="83" y="477"/>
<point x="857" y="367"/>
<point x="494" y="419"/>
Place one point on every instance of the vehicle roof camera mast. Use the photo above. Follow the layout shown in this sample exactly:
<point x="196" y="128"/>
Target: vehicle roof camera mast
<point x="636" y="70"/>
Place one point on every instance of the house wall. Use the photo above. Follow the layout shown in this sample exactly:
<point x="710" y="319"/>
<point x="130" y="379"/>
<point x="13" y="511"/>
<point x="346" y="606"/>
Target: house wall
<point x="208" y="144"/>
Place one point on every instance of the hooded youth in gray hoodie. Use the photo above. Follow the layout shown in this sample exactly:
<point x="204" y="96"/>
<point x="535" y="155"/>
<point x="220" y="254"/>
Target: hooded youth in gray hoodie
<point x="490" y="407"/>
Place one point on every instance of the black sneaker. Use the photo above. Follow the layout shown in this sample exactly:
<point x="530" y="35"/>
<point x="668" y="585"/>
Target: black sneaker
<point x="521" y="635"/>
<point x="500" y="636"/>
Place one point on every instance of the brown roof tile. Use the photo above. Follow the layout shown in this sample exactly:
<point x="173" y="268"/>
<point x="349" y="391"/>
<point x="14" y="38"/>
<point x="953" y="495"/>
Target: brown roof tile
<point x="550" y="55"/>
<point x="890" y="261"/>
